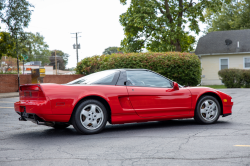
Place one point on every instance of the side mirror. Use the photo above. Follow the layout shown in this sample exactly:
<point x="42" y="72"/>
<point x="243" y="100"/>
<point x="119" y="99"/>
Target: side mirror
<point x="175" y="86"/>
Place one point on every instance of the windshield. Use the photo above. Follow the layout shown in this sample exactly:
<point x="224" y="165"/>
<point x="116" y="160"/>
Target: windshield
<point x="103" y="77"/>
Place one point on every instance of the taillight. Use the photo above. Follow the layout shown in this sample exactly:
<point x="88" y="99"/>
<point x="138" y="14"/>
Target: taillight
<point x="29" y="88"/>
<point x="31" y="92"/>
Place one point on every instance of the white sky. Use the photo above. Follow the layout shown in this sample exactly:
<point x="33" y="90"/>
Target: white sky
<point x="98" y="20"/>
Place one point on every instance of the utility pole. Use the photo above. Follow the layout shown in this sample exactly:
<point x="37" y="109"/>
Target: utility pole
<point x="76" y="46"/>
<point x="76" y="49"/>
<point x="18" y="78"/>
<point x="55" y="62"/>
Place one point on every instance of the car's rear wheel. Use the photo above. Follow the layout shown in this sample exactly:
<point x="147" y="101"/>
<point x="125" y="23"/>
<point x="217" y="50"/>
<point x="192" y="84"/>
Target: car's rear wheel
<point x="207" y="110"/>
<point x="90" y="117"/>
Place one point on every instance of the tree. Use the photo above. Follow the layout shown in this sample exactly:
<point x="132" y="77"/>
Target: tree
<point x="31" y="45"/>
<point x="111" y="50"/>
<point x="35" y="48"/>
<point x="158" y="25"/>
<point x="233" y="16"/>
<point x="6" y="44"/>
<point x="61" y="58"/>
<point x="15" y="14"/>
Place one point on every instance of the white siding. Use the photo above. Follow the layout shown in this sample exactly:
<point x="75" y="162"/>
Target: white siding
<point x="211" y="66"/>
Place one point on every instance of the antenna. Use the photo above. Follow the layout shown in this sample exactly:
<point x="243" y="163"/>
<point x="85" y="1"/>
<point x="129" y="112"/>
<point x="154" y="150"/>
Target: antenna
<point x="228" y="42"/>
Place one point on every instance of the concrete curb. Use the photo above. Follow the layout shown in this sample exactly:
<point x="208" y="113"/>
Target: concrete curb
<point x="8" y="95"/>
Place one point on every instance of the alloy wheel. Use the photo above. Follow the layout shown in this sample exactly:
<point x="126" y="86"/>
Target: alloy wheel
<point x="208" y="110"/>
<point x="91" y="116"/>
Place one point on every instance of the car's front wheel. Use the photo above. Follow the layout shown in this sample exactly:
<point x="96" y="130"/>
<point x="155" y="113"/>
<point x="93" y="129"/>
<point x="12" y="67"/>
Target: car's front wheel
<point x="207" y="110"/>
<point x="90" y="117"/>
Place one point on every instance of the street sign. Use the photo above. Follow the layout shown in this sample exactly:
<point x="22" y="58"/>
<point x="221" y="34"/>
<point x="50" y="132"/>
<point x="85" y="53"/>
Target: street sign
<point x="25" y="57"/>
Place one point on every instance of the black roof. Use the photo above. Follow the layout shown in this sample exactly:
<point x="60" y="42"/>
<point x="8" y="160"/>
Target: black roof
<point x="224" y="42"/>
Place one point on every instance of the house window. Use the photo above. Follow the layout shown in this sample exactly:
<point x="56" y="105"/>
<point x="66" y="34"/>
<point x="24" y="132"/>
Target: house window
<point x="224" y="63"/>
<point x="247" y="63"/>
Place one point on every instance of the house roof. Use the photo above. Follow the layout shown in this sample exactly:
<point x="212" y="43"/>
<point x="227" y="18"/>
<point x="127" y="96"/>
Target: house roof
<point x="224" y="42"/>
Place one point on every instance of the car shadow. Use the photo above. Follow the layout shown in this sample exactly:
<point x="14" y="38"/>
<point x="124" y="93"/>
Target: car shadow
<point x="110" y="130"/>
<point x="173" y="124"/>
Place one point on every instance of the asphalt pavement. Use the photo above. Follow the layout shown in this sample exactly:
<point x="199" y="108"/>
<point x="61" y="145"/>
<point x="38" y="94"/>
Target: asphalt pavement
<point x="175" y="142"/>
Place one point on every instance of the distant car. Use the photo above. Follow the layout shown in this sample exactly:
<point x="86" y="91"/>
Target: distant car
<point x="118" y="96"/>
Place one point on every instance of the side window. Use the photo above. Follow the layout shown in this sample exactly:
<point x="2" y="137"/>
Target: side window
<point x="146" y="78"/>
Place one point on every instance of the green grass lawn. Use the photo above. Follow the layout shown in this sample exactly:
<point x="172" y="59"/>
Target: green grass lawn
<point x="215" y="86"/>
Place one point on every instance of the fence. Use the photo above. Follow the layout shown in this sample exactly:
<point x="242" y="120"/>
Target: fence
<point x="8" y="82"/>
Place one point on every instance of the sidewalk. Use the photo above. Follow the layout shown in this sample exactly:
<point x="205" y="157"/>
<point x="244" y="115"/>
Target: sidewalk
<point x="11" y="94"/>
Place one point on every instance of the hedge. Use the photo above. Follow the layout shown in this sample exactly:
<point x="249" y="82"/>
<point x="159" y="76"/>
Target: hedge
<point x="235" y="78"/>
<point x="183" y="68"/>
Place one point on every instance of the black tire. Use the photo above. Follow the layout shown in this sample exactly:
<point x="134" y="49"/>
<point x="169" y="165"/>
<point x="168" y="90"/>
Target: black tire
<point x="78" y="118"/>
<point x="205" y="114"/>
<point x="60" y="125"/>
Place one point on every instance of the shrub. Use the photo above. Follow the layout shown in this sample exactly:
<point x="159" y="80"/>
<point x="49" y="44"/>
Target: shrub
<point x="88" y="65"/>
<point x="246" y="78"/>
<point x="183" y="68"/>
<point x="232" y="78"/>
<point x="235" y="78"/>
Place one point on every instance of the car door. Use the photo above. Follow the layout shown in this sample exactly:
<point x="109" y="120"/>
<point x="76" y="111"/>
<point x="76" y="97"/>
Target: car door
<point x="153" y="95"/>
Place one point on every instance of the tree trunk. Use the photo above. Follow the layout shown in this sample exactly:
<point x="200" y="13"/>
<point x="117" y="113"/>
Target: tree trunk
<point x="177" y="46"/>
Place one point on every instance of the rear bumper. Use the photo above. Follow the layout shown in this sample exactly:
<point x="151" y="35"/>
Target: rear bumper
<point x="33" y="107"/>
<point x="42" y="109"/>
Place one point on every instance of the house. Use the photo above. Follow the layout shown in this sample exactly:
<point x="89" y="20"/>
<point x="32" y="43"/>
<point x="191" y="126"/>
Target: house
<point x="223" y="50"/>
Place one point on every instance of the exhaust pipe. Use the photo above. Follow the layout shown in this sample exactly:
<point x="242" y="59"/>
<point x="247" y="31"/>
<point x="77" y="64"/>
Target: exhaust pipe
<point x="21" y="119"/>
<point x="40" y="123"/>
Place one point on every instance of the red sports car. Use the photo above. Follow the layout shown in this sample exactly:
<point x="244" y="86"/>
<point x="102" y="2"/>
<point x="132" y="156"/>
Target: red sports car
<point x="118" y="96"/>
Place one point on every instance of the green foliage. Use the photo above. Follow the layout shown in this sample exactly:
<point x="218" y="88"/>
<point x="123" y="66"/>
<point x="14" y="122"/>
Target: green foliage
<point x="31" y="45"/>
<point x="61" y="58"/>
<point x="6" y="44"/>
<point x="183" y="68"/>
<point x="158" y="25"/>
<point x="15" y="14"/>
<point x="246" y="78"/>
<point x="111" y="50"/>
<point x="235" y="78"/>
<point x="34" y="46"/>
<point x="232" y="16"/>
<point x="90" y="64"/>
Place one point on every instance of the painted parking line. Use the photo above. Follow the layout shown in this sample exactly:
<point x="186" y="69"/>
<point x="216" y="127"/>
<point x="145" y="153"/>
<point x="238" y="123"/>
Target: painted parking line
<point x="243" y="145"/>
<point x="6" y="102"/>
<point x="6" y="107"/>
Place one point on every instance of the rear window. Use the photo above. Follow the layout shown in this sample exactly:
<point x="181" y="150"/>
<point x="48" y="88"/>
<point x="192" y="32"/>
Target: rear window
<point x="104" y="77"/>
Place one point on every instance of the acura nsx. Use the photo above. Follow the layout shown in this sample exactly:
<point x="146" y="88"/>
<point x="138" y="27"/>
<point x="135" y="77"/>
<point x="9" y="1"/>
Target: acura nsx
<point x="118" y="96"/>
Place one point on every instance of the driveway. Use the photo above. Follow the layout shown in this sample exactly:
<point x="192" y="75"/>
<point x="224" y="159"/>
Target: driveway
<point x="176" y="142"/>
